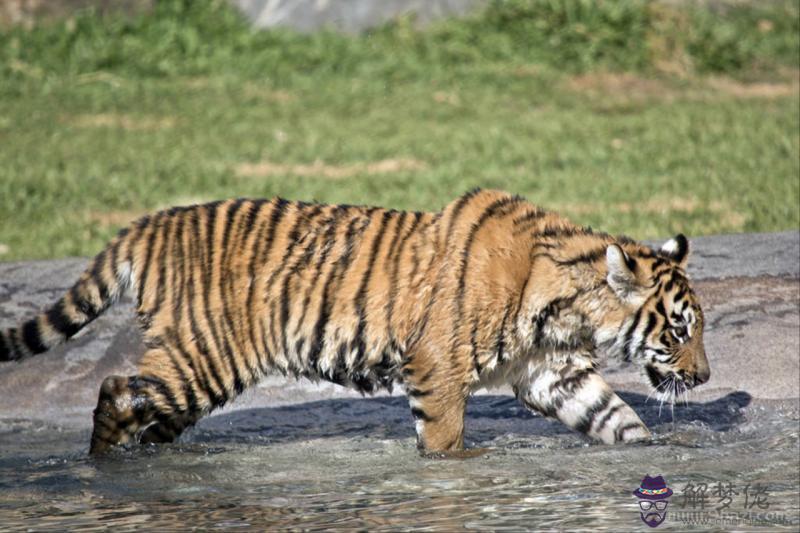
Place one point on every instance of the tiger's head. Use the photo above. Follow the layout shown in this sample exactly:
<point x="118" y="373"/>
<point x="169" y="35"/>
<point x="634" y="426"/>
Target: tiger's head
<point x="663" y="329"/>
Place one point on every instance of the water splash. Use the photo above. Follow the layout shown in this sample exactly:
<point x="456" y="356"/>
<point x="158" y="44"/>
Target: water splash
<point x="353" y="464"/>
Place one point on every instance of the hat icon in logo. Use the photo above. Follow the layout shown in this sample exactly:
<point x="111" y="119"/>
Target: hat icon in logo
<point x="653" y="497"/>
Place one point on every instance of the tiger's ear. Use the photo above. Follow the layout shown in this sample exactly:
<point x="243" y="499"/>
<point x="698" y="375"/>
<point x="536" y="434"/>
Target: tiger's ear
<point x="621" y="276"/>
<point x="677" y="249"/>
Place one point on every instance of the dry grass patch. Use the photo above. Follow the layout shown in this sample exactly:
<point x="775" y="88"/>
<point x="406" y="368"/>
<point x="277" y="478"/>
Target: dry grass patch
<point x="443" y="97"/>
<point x="619" y="88"/>
<point x="121" y="121"/>
<point x="324" y="170"/>
<point x="527" y="71"/>
<point x="114" y="219"/>
<point x="726" y="215"/>
<point x="99" y="77"/>
<point x="766" y="90"/>
<point x="198" y="83"/>
<point x="266" y="94"/>
<point x="122" y="217"/>
<point x="250" y="90"/>
<point x="623" y="85"/>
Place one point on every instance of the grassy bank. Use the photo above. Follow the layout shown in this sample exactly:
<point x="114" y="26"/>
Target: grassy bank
<point x="635" y="117"/>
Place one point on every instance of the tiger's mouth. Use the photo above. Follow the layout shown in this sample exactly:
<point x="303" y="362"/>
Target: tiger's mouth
<point x="671" y="383"/>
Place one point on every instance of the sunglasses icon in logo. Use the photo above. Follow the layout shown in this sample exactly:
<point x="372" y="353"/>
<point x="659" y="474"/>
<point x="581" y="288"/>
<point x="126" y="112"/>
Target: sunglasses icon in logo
<point x="660" y="505"/>
<point x="653" y="497"/>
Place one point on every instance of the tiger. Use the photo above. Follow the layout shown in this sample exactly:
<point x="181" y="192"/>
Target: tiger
<point x="491" y="290"/>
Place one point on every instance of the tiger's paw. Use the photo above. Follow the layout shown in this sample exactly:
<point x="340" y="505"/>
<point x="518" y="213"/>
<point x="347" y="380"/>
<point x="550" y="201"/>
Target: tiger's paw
<point x="635" y="433"/>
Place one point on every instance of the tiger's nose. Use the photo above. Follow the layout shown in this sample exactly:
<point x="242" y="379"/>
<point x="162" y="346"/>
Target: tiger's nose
<point x="702" y="375"/>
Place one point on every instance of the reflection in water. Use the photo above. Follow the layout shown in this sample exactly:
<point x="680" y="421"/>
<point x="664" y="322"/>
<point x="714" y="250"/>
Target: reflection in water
<point x="353" y="464"/>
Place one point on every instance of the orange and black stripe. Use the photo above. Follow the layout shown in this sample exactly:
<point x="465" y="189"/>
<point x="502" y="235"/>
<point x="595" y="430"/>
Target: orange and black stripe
<point x="96" y="289"/>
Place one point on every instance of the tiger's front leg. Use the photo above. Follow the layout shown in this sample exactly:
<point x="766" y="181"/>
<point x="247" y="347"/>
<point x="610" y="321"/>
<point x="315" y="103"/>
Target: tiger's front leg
<point x="577" y="395"/>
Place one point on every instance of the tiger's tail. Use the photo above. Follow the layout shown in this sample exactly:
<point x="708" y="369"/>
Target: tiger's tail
<point x="101" y="284"/>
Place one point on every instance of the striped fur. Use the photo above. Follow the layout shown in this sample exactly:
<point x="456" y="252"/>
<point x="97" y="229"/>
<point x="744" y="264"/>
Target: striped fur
<point x="490" y="290"/>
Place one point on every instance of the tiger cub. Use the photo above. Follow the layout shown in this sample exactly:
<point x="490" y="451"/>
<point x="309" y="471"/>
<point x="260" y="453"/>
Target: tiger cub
<point x="490" y="290"/>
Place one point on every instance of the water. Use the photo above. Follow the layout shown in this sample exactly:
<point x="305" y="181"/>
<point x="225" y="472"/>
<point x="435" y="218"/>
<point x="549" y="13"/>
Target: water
<point x="352" y="463"/>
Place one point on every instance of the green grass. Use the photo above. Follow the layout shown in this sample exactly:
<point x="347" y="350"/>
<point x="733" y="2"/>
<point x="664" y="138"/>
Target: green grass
<point x="101" y="120"/>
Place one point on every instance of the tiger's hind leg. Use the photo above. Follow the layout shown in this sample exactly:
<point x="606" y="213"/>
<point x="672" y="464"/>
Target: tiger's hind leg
<point x="123" y="407"/>
<point x="167" y="428"/>
<point x="438" y="404"/>
<point x="439" y="420"/>
<point x="128" y="404"/>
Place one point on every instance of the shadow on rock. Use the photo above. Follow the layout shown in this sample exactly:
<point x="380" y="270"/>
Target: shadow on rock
<point x="488" y="417"/>
<point x="722" y="414"/>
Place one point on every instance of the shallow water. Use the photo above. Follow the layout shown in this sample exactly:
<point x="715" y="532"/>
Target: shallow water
<point x="352" y="463"/>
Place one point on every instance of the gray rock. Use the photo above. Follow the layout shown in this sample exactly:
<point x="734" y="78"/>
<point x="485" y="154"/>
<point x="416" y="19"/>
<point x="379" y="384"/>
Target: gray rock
<point x="749" y="284"/>
<point x="744" y="255"/>
<point x="350" y="16"/>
